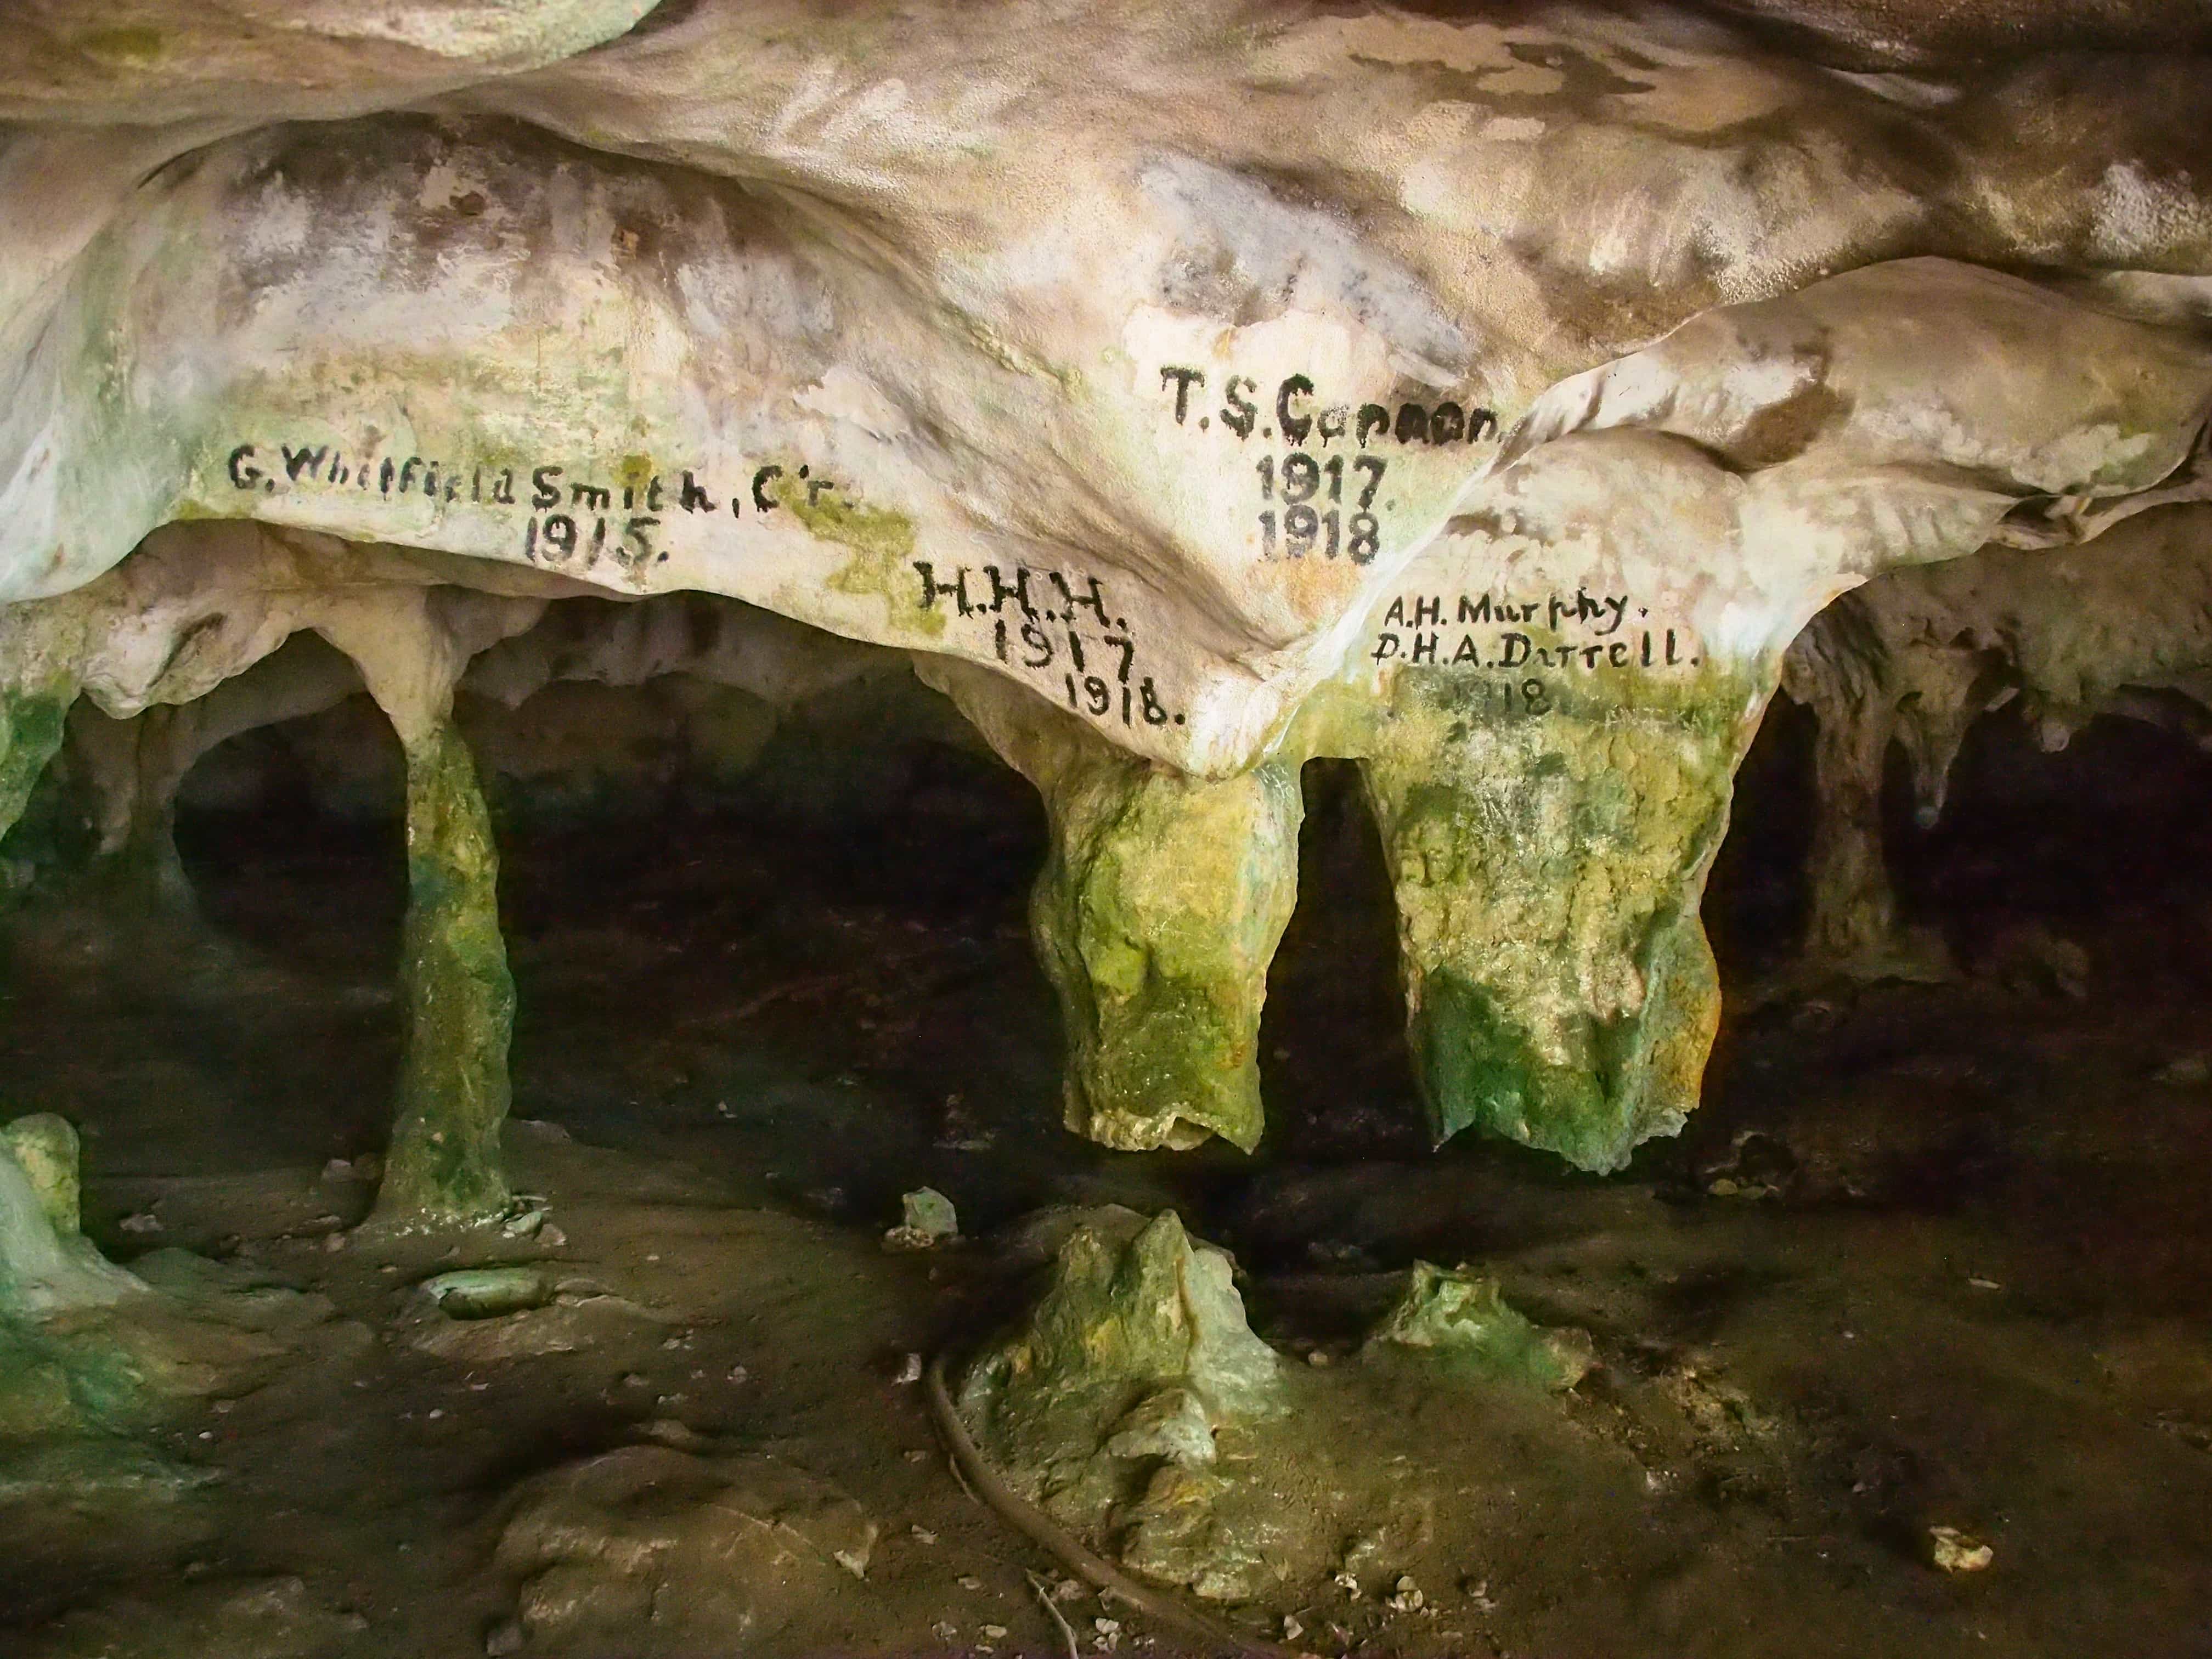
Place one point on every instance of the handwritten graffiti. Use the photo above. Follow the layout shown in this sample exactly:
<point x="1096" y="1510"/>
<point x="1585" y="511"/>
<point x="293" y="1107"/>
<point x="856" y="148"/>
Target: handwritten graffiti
<point x="1048" y="622"/>
<point x="1299" y="414"/>
<point x="573" y="517"/>
<point x="1322" y="498"/>
<point x="1312" y="497"/>
<point x="1577" y="633"/>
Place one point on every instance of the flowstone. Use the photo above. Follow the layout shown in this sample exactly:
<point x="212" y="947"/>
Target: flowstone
<point x="649" y="1549"/>
<point x="90" y="1352"/>
<point x="1548" y="863"/>
<point x="47" y="1268"/>
<point x="257" y="1619"/>
<point x="1156" y="917"/>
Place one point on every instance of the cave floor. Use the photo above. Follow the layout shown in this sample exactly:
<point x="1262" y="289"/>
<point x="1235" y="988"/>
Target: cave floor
<point x="1978" y="1297"/>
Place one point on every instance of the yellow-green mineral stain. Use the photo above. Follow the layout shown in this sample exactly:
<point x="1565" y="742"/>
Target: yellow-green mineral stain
<point x="444" y="1165"/>
<point x="126" y="47"/>
<point x="1548" y="864"/>
<point x="30" y="733"/>
<point x="882" y="542"/>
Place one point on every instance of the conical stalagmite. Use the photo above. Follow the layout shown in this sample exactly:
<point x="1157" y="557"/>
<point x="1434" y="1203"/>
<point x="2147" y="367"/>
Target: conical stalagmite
<point x="1156" y="916"/>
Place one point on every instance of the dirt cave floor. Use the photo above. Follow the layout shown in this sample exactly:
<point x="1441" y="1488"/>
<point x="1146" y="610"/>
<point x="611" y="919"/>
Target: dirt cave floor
<point x="1929" y="1256"/>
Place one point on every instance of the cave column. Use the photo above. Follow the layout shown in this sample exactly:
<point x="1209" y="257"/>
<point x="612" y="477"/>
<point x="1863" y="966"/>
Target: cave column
<point x="1852" y="912"/>
<point x="1156" y="917"/>
<point x="130" y="784"/>
<point x="443" y="1166"/>
<point x="1548" y="861"/>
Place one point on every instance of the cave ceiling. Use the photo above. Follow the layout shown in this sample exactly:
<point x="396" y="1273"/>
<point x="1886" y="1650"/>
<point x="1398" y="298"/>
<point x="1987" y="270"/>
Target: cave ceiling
<point x="1244" y="382"/>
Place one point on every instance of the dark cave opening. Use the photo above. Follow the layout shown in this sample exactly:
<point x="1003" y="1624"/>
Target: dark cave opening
<point x="2109" y="837"/>
<point x="865" y="921"/>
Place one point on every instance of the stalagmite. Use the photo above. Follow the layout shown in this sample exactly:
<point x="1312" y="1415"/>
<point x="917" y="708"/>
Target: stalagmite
<point x="1867" y="698"/>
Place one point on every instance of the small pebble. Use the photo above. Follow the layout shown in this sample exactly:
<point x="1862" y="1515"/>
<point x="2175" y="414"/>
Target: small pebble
<point x="1953" y="1551"/>
<point x="333" y="1242"/>
<point x="909" y="1371"/>
<point x="968" y="1581"/>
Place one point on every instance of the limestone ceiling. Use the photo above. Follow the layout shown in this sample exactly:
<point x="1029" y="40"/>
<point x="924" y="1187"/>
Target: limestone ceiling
<point x="1206" y="334"/>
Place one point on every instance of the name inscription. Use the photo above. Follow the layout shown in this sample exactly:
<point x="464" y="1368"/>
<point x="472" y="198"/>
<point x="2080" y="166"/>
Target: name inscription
<point x="1577" y="633"/>
<point x="573" y="517"/>
<point x="1056" y="628"/>
<point x="1327" y="505"/>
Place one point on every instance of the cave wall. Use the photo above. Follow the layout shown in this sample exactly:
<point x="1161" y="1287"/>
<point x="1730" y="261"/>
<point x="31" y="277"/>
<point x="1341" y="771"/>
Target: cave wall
<point x="1488" y="397"/>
